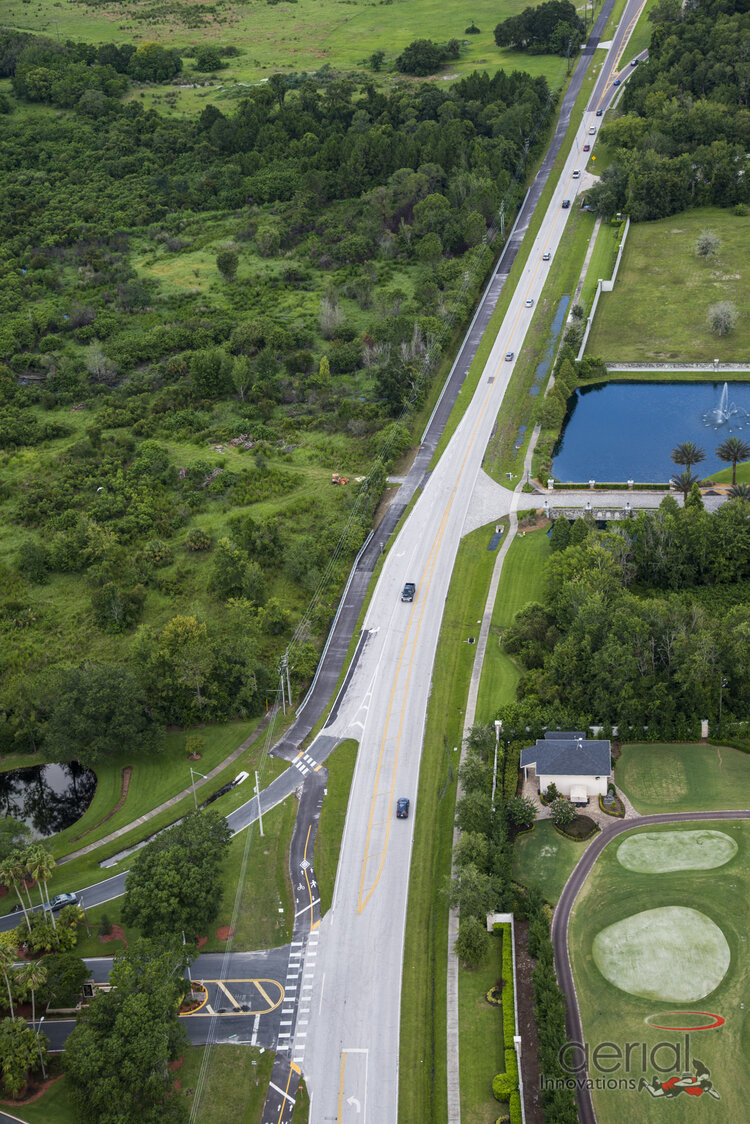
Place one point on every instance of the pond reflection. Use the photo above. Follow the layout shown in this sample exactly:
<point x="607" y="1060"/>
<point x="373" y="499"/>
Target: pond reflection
<point x="47" y="798"/>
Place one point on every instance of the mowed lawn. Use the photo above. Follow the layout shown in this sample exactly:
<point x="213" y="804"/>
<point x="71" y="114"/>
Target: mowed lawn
<point x="544" y="858"/>
<point x="663" y="292"/>
<point x="683" y="778"/>
<point x="522" y="580"/>
<point x="481" y="1053"/>
<point x="609" y="1014"/>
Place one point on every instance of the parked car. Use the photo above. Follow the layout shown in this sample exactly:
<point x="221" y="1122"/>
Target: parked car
<point x="509" y="356"/>
<point x="402" y="808"/>
<point x="61" y="901"/>
<point x="566" y="204"/>
<point x="407" y="594"/>
<point x="577" y="174"/>
<point x="546" y="255"/>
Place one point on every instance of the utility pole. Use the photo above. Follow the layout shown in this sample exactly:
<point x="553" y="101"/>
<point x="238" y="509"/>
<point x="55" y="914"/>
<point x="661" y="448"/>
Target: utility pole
<point x="41" y="1059"/>
<point x="260" y="814"/>
<point x="193" y="774"/>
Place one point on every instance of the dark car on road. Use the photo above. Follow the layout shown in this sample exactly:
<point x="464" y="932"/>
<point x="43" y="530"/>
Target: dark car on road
<point x="61" y="901"/>
<point x="402" y="808"/>
<point x="407" y="594"/>
<point x="566" y="204"/>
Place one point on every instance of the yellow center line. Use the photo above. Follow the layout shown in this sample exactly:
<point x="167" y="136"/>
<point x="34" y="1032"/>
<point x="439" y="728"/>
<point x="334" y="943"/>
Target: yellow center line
<point x="341" y="1085"/>
<point x="427" y="577"/>
<point x="292" y="1069"/>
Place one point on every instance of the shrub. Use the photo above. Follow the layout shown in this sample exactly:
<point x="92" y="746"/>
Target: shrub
<point x="197" y="539"/>
<point x="105" y="926"/>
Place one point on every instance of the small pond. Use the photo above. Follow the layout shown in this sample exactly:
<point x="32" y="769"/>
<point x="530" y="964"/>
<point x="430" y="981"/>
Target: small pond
<point x="47" y="798"/>
<point x="622" y="431"/>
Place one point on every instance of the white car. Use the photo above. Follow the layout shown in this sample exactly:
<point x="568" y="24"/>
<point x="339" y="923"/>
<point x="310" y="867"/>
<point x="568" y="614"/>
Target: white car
<point x="592" y="130"/>
<point x="529" y="303"/>
<point x="577" y="174"/>
<point x="546" y="255"/>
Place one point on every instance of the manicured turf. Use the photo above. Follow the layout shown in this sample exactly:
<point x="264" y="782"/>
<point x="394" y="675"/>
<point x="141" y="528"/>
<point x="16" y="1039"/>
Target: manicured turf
<point x="522" y="581"/>
<point x="683" y="778"/>
<point x="601" y="263"/>
<point x="423" y="1036"/>
<point x="659" y="305"/>
<point x="481" y="1038"/>
<point x="340" y="767"/>
<point x="610" y="895"/>
<point x="660" y="852"/>
<point x="543" y="858"/>
<point x="672" y="953"/>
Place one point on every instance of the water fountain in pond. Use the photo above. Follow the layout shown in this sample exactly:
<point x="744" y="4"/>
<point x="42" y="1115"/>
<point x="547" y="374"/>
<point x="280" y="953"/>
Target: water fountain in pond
<point x="721" y="414"/>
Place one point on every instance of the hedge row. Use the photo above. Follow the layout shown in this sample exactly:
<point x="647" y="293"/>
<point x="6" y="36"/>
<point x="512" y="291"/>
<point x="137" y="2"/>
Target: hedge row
<point x="505" y="1085"/>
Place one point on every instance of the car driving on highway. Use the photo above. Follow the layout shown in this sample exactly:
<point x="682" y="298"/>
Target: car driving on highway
<point x="407" y="594"/>
<point x="402" y="808"/>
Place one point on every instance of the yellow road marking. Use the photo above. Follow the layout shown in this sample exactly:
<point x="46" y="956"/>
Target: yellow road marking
<point x="341" y="1085"/>
<point x="228" y="994"/>
<point x="292" y="1069"/>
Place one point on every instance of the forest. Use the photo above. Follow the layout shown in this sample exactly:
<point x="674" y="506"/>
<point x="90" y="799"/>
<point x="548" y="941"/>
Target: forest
<point x="684" y="133"/>
<point x="203" y="319"/>
<point x="646" y="624"/>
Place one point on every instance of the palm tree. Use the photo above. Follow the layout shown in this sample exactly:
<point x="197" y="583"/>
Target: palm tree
<point x="41" y="864"/>
<point x="688" y="454"/>
<point x="684" y="482"/>
<point x="734" y="449"/>
<point x="12" y="872"/>
<point x="739" y="492"/>
<point x="29" y="977"/>
<point x="7" y="960"/>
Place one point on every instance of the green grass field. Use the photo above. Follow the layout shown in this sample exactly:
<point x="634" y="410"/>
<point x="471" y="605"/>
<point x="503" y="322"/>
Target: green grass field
<point x="601" y="264"/>
<point x="340" y="767"/>
<point x="611" y="896"/>
<point x="522" y="581"/>
<point x="683" y="778"/>
<point x="544" y="858"/>
<point x="304" y="36"/>
<point x="658" y="308"/>
<point x="235" y="1092"/>
<point x="481" y="1053"/>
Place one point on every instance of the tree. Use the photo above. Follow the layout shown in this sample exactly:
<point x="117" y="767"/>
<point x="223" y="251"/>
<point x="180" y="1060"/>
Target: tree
<point x="30" y="976"/>
<point x="20" y="1053"/>
<point x="174" y="884"/>
<point x="96" y="709"/>
<point x="65" y="977"/>
<point x="733" y="450"/>
<point x="563" y="812"/>
<point x="740" y="492"/>
<point x="722" y="318"/>
<point x="40" y="863"/>
<point x="208" y="59"/>
<point x="13" y="873"/>
<point x="684" y="482"/>
<point x="559" y="535"/>
<point x="521" y="811"/>
<point x="421" y="57"/>
<point x="242" y="375"/>
<point x="688" y="454"/>
<point x="707" y="244"/>
<point x="472" y="942"/>
<point x="7" y="960"/>
<point x="472" y="891"/>
<point x="377" y="58"/>
<point x="226" y="263"/>
<point x="228" y="569"/>
<point x="118" y="1056"/>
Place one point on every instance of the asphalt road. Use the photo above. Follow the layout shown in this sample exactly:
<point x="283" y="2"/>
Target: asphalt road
<point x="561" y="921"/>
<point x="352" y="1054"/>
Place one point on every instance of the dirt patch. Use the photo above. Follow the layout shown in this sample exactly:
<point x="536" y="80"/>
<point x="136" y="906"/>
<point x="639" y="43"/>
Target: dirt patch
<point x="117" y="934"/>
<point x="527" y="1026"/>
<point x="386" y="500"/>
<point x="532" y="522"/>
<point x="200" y="941"/>
<point x="224" y="932"/>
<point x="3" y="891"/>
<point x="124" y="786"/>
<point x="175" y="1064"/>
<point x="35" y="1091"/>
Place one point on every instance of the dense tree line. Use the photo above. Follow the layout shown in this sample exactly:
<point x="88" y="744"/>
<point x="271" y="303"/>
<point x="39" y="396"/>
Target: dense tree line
<point x="683" y="137"/>
<point x="620" y="638"/>
<point x="551" y="28"/>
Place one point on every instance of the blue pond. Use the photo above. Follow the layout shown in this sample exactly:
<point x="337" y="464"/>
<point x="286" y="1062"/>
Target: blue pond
<point x="626" y="430"/>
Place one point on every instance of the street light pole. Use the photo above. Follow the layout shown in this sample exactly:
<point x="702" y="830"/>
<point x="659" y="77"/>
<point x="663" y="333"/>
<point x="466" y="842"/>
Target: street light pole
<point x="723" y="684"/>
<point x="193" y="774"/>
<point x="41" y="1059"/>
<point x="260" y="814"/>
<point x="498" y="725"/>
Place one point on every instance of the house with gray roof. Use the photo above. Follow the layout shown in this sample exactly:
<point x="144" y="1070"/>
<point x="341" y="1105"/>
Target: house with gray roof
<point x="578" y="767"/>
